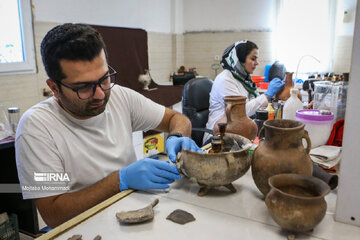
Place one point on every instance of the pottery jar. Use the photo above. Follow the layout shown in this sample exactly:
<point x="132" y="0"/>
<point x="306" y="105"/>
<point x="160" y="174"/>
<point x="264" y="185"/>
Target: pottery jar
<point x="281" y="151"/>
<point x="284" y="93"/>
<point x="237" y="120"/>
<point x="296" y="202"/>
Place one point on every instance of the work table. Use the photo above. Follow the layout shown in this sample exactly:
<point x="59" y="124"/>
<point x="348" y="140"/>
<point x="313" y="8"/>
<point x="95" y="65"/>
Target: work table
<point x="220" y="214"/>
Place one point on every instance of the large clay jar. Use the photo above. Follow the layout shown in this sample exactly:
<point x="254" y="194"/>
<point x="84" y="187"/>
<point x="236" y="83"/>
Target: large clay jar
<point x="281" y="151"/>
<point x="296" y="202"/>
<point x="237" y="120"/>
<point x="284" y="93"/>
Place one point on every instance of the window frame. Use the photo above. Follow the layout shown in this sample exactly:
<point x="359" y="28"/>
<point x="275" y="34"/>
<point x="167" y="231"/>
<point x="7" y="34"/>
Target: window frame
<point x="26" y="23"/>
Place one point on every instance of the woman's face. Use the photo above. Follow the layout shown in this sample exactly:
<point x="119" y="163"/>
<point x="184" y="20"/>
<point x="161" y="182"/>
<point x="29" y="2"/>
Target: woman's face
<point x="251" y="61"/>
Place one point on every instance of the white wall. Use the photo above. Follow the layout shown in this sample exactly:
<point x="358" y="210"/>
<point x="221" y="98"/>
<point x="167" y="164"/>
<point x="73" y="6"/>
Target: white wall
<point x="153" y="16"/>
<point x="347" y="209"/>
<point x="345" y="28"/>
<point x="225" y="15"/>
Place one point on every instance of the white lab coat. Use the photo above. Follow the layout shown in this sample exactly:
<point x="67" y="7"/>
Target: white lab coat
<point x="226" y="85"/>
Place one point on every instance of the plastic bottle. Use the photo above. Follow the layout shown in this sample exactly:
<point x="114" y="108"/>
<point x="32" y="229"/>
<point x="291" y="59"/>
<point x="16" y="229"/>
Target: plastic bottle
<point x="271" y="111"/>
<point x="292" y="105"/>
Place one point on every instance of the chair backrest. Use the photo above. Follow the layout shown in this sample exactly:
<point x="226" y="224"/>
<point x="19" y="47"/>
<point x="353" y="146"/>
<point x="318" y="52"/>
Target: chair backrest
<point x="195" y="105"/>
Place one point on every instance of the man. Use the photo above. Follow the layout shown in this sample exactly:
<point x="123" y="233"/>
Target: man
<point x="78" y="140"/>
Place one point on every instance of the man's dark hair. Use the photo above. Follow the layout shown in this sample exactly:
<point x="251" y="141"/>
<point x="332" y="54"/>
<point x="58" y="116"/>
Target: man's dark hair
<point x="71" y="42"/>
<point x="245" y="49"/>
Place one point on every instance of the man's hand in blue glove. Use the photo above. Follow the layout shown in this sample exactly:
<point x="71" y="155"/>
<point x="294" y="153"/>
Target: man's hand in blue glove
<point x="175" y="144"/>
<point x="275" y="85"/>
<point x="148" y="173"/>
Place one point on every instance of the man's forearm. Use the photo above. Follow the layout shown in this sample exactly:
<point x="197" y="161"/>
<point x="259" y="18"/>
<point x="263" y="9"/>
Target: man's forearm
<point x="175" y="122"/>
<point x="58" y="209"/>
<point x="180" y="123"/>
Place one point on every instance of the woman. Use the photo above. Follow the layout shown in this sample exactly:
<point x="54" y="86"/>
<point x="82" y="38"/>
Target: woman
<point x="239" y="61"/>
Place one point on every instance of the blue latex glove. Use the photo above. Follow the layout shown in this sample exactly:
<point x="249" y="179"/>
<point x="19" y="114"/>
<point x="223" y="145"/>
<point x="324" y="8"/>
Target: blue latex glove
<point x="148" y="173"/>
<point x="275" y="85"/>
<point x="175" y="144"/>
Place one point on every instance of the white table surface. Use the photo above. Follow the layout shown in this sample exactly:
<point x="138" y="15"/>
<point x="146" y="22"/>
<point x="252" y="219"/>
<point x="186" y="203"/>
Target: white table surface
<point x="219" y="215"/>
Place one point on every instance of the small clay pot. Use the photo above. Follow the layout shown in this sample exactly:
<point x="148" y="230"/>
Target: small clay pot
<point x="296" y="202"/>
<point x="284" y="93"/>
<point x="237" y="120"/>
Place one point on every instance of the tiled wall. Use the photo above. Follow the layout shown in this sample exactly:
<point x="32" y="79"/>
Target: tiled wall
<point x="167" y="52"/>
<point x="342" y="54"/>
<point x="200" y="49"/>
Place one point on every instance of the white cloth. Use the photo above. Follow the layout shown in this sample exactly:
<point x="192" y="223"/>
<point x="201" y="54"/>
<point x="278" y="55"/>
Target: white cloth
<point x="326" y="156"/>
<point x="226" y="85"/>
<point x="51" y="140"/>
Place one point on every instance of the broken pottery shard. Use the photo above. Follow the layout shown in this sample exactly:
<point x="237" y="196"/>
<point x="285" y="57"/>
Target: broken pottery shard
<point x="98" y="237"/>
<point x="180" y="216"/>
<point x="75" y="237"/>
<point x="137" y="216"/>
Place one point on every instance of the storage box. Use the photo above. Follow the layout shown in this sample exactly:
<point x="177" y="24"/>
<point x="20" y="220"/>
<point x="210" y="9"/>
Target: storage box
<point x="318" y="125"/>
<point x="153" y="144"/>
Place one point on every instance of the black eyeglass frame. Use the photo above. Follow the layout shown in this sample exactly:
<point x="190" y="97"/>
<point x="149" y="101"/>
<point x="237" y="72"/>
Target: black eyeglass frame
<point x="95" y="84"/>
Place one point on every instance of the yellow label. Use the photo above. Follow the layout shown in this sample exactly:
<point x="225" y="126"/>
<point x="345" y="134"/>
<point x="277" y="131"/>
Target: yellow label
<point x="153" y="144"/>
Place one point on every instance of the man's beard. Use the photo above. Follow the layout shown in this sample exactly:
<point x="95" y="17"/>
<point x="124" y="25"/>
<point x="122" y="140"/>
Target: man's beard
<point x="85" y="109"/>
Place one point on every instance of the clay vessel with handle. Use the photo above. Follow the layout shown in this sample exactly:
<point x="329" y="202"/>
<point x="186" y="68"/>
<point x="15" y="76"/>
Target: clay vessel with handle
<point x="281" y="151"/>
<point x="284" y="93"/>
<point x="237" y="120"/>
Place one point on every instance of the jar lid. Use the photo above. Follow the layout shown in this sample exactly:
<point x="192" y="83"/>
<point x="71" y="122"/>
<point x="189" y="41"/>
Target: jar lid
<point x="314" y="114"/>
<point x="13" y="110"/>
<point x="262" y="114"/>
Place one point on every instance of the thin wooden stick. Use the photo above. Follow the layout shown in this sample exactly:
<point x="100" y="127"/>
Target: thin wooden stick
<point x="83" y="216"/>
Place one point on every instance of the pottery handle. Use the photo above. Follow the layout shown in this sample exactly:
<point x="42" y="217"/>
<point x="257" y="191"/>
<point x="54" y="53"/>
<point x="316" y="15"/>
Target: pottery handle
<point x="228" y="112"/>
<point x="308" y="142"/>
<point x="261" y="134"/>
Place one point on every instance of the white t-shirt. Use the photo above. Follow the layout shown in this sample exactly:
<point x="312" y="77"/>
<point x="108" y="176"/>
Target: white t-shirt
<point x="226" y="85"/>
<point x="49" y="140"/>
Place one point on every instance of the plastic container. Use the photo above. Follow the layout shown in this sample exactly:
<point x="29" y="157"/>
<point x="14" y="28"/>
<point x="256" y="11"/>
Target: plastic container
<point x="258" y="79"/>
<point x="292" y="105"/>
<point x="264" y="85"/>
<point x="326" y="96"/>
<point x="271" y="111"/>
<point x="14" y="116"/>
<point x="318" y="125"/>
<point x="266" y="73"/>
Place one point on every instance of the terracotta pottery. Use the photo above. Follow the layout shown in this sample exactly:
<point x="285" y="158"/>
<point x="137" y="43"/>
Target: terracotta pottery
<point x="284" y="93"/>
<point x="282" y="151"/>
<point x="296" y="202"/>
<point x="237" y="120"/>
<point x="217" y="169"/>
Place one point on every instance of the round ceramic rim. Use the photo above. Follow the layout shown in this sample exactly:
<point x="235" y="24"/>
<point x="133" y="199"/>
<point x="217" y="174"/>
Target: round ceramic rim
<point x="290" y="175"/>
<point x="266" y="123"/>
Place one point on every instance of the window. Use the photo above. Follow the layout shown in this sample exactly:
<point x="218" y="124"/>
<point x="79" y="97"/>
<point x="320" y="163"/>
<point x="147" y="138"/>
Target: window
<point x="305" y="28"/>
<point x="16" y="38"/>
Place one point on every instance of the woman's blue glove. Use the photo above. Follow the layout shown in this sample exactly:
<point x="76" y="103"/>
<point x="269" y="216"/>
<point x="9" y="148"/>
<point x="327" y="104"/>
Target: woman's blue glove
<point x="175" y="144"/>
<point x="275" y="85"/>
<point x="148" y="173"/>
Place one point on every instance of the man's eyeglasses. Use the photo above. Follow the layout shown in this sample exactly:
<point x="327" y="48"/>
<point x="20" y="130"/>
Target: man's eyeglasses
<point x="88" y="89"/>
